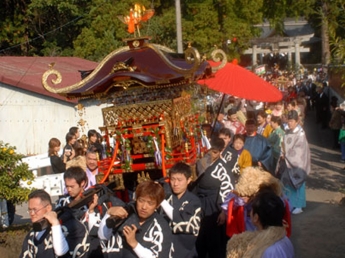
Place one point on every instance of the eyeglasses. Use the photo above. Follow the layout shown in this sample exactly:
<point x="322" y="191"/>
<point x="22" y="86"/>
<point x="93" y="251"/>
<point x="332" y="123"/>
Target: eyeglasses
<point x="30" y="211"/>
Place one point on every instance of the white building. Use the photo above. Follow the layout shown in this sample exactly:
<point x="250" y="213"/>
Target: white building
<point x="29" y="115"/>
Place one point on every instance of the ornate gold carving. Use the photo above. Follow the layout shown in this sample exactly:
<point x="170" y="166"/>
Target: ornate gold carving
<point x="118" y="179"/>
<point x="55" y="81"/>
<point x="171" y="115"/>
<point x="81" y="112"/>
<point x="182" y="106"/>
<point x="139" y="146"/>
<point x="218" y="55"/>
<point x="192" y="56"/>
<point x="118" y="66"/>
<point x="99" y="178"/>
<point x="143" y="113"/>
<point x="135" y="17"/>
<point x="136" y="43"/>
<point x="143" y="177"/>
<point x="163" y="48"/>
<point x="125" y="84"/>
<point x="82" y="82"/>
<point x="150" y="165"/>
<point x="82" y="123"/>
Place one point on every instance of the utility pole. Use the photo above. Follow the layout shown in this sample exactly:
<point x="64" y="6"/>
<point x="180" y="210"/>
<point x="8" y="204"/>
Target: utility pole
<point x="178" y="26"/>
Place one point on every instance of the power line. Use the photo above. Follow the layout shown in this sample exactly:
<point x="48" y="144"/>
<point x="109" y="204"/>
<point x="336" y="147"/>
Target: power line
<point x="39" y="37"/>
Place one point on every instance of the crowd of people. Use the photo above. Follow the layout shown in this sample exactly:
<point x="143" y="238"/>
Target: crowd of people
<point x="181" y="218"/>
<point x="248" y="183"/>
<point x="75" y="149"/>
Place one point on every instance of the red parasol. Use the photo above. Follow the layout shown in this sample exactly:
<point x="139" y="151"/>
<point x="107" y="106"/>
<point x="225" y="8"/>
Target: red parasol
<point x="235" y="80"/>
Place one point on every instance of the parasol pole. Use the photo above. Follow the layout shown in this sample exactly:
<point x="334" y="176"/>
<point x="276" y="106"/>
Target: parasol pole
<point x="215" y="120"/>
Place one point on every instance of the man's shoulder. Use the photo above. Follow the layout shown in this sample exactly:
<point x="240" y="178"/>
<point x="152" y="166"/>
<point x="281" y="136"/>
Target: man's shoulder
<point x="90" y="172"/>
<point x="159" y="218"/>
<point x="191" y="197"/>
<point x="230" y="149"/>
<point x="54" y="157"/>
<point x="63" y="200"/>
<point x="256" y="138"/>
<point x="30" y="234"/>
<point x="260" y="137"/>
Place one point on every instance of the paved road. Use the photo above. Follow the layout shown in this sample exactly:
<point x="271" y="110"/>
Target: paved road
<point x="320" y="230"/>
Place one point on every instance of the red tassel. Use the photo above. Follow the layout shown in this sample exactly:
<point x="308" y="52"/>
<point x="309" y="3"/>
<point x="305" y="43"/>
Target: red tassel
<point x="287" y="218"/>
<point x="235" y="222"/>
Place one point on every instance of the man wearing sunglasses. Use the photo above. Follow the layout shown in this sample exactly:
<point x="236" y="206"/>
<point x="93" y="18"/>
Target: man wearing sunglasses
<point x="68" y="239"/>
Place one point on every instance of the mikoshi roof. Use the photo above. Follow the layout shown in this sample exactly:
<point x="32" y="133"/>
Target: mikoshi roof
<point x="139" y="64"/>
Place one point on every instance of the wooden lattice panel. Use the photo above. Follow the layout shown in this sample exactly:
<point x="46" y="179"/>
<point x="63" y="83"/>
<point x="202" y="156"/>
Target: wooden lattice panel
<point x="175" y="114"/>
<point x="137" y="114"/>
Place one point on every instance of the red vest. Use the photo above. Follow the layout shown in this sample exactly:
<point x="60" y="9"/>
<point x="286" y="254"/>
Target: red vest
<point x="235" y="223"/>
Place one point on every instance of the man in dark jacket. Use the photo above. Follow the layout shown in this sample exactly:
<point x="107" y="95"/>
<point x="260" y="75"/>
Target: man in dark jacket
<point x="322" y="107"/>
<point x="62" y="236"/>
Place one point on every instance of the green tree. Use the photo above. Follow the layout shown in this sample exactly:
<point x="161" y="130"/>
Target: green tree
<point x="40" y="27"/>
<point x="332" y="16"/>
<point x="276" y="11"/>
<point x="162" y="27"/>
<point x="326" y="16"/>
<point x="104" y="31"/>
<point x="13" y="24"/>
<point x="54" y="24"/>
<point x="204" y="24"/>
<point x="228" y="24"/>
<point x="91" y="29"/>
<point x="12" y="170"/>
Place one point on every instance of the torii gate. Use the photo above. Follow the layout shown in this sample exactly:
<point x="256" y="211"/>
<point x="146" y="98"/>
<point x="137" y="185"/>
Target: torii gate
<point x="279" y="44"/>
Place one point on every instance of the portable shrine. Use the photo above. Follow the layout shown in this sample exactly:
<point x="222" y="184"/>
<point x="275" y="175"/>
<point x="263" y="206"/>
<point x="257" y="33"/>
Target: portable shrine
<point x="156" y="113"/>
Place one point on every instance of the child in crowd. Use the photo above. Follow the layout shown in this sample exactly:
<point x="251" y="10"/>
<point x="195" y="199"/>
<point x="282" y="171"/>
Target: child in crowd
<point x="244" y="158"/>
<point x="263" y="126"/>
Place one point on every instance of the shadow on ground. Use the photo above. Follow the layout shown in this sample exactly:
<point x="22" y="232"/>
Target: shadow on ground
<point x="327" y="172"/>
<point x="319" y="230"/>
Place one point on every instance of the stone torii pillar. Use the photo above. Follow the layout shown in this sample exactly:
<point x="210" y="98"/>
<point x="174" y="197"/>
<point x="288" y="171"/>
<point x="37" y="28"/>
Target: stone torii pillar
<point x="254" y="55"/>
<point x="297" y="53"/>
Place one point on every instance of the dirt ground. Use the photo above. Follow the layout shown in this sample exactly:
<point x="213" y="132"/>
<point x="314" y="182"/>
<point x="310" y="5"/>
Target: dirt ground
<point x="317" y="232"/>
<point x="11" y="240"/>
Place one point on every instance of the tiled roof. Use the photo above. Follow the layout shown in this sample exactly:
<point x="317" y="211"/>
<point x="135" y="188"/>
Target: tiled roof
<point x="26" y="72"/>
<point x="292" y="28"/>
